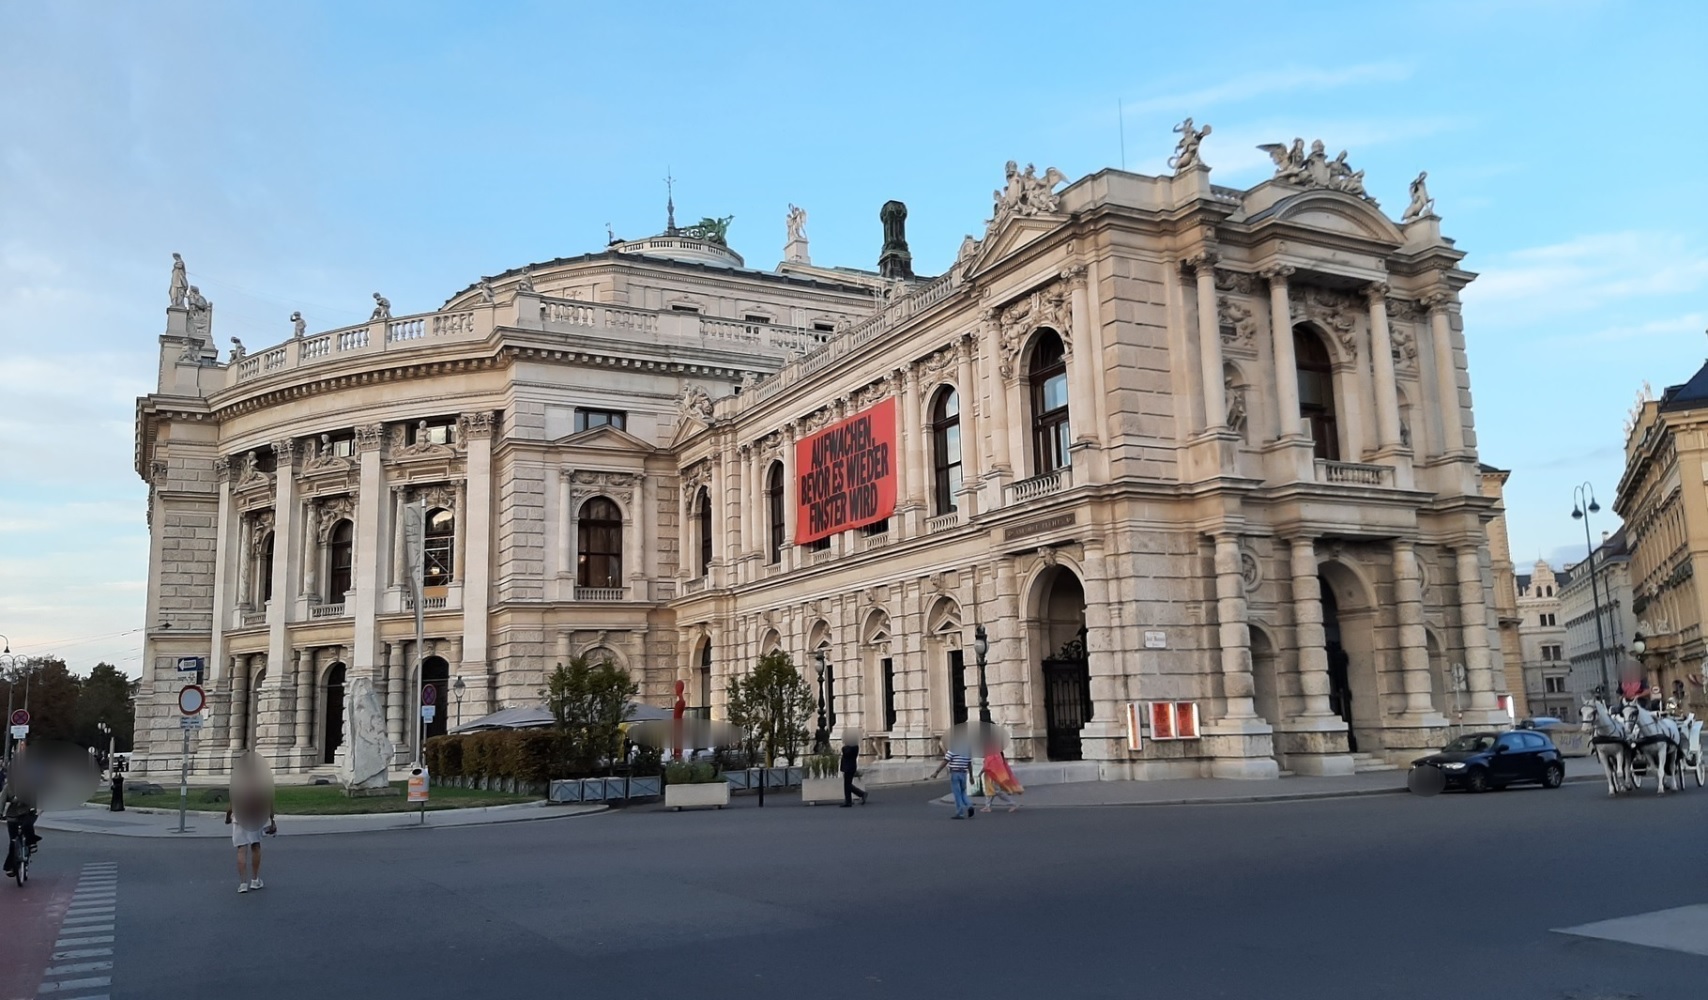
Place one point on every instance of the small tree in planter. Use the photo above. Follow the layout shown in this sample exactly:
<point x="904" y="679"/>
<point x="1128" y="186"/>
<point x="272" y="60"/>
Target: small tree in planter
<point x="688" y="784"/>
<point x="589" y="704"/>
<point x="772" y="705"/>
<point x="822" y="778"/>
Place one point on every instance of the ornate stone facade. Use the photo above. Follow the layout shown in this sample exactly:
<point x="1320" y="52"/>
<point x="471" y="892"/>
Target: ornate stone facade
<point x="1109" y="455"/>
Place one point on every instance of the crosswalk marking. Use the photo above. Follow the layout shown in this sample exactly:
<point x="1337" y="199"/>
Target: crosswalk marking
<point x="88" y="921"/>
<point x="1683" y="928"/>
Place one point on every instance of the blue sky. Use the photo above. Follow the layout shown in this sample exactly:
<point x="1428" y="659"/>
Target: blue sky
<point x="304" y="155"/>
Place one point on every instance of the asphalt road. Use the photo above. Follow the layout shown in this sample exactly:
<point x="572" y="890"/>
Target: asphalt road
<point x="1389" y="897"/>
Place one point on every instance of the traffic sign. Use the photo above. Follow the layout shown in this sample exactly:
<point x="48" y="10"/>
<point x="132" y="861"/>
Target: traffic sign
<point x="20" y="732"/>
<point x="190" y="664"/>
<point x="429" y="694"/>
<point x="427" y="713"/>
<point x="189" y="722"/>
<point x="192" y="699"/>
<point x="21" y="717"/>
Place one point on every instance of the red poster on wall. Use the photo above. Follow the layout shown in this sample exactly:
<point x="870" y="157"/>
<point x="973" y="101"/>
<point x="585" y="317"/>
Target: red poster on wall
<point x="845" y="475"/>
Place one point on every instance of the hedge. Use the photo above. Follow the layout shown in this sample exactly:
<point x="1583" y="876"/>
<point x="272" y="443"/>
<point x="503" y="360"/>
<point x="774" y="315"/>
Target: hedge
<point x="532" y="756"/>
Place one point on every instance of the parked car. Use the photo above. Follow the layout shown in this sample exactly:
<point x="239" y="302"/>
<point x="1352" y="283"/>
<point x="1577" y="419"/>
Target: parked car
<point x="1477" y="762"/>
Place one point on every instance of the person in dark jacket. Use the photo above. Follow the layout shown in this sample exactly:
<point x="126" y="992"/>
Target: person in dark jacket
<point x="118" y="802"/>
<point x="850" y="769"/>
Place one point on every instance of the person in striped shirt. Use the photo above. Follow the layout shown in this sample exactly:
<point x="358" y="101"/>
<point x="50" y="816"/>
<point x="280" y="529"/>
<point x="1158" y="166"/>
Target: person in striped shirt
<point x="959" y="764"/>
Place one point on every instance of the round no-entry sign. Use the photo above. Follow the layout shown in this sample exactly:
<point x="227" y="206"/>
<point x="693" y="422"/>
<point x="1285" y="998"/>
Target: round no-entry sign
<point x="191" y="699"/>
<point x="20" y="718"/>
<point x="429" y="694"/>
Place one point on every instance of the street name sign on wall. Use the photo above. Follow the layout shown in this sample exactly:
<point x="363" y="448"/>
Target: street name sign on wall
<point x="845" y="474"/>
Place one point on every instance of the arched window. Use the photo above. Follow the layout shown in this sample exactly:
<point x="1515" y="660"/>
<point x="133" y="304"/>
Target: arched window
<point x="774" y="509"/>
<point x="704" y="500"/>
<point x="264" y="568"/>
<point x="1047" y="375"/>
<point x="439" y="552"/>
<point x="706" y="680"/>
<point x="946" y="449"/>
<point x="599" y="544"/>
<point x="1316" y="392"/>
<point x="340" y="558"/>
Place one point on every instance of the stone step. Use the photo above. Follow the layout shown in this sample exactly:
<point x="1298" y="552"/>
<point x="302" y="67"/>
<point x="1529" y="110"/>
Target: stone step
<point x="1365" y="763"/>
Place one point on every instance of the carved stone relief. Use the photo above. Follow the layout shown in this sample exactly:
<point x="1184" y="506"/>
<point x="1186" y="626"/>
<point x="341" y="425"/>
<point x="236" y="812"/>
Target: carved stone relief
<point x="1335" y="312"/>
<point x="1238" y="323"/>
<point x="328" y="512"/>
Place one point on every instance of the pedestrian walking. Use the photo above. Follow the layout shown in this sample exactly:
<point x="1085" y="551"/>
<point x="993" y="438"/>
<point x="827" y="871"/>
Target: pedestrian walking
<point x="999" y="779"/>
<point x="960" y="765"/>
<point x="850" y="771"/>
<point x="250" y="815"/>
<point x="118" y="801"/>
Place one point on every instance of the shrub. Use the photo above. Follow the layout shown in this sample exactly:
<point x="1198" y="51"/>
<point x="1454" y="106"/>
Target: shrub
<point x="690" y="772"/>
<point x="823" y="765"/>
<point x="444" y="756"/>
<point x="771" y="706"/>
<point x="589" y="704"/>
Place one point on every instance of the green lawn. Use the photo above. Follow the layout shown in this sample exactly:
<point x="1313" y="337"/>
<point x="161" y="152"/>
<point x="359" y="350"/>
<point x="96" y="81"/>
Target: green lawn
<point x="330" y="800"/>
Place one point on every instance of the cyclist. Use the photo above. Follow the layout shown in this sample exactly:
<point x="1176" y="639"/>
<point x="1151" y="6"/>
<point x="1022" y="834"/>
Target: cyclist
<point x="18" y="805"/>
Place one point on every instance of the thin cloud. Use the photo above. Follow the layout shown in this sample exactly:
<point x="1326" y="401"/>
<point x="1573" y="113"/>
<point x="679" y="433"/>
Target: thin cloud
<point x="1586" y="272"/>
<point x="1252" y="86"/>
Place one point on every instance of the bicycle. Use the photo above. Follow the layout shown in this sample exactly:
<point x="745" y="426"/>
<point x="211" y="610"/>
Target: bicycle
<point x="21" y="849"/>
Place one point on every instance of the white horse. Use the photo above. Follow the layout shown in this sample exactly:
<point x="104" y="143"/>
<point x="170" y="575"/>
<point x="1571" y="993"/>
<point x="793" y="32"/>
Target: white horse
<point x="1656" y="738"/>
<point x="1609" y="744"/>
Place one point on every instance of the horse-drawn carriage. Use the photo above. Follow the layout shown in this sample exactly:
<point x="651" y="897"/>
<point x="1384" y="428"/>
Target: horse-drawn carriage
<point x="1639" y="742"/>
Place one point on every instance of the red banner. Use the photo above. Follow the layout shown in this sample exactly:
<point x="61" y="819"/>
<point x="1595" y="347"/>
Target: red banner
<point x="845" y="474"/>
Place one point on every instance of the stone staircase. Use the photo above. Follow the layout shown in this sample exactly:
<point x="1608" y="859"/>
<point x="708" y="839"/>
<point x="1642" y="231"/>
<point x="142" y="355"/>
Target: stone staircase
<point x="1365" y="763"/>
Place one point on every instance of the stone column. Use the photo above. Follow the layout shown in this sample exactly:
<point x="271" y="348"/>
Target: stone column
<point x="719" y="497"/>
<point x="245" y="562"/>
<point x="790" y="488"/>
<point x="1382" y="369"/>
<point x="913" y="442"/>
<point x="287" y="533"/>
<point x="1446" y="373"/>
<point x="395" y="702"/>
<point x="1414" y="643"/>
<point x="1001" y="441"/>
<point x="1105" y="667"/>
<point x="1286" y="365"/>
<point x="475" y="429"/>
<point x="310" y="556"/>
<point x="399" y="572"/>
<point x="1233" y="633"/>
<point x="753" y="503"/>
<point x="237" y="674"/>
<point x="1308" y="631"/>
<point x="1474" y="631"/>
<point x="972" y="425"/>
<point x="370" y="524"/>
<point x="305" y="669"/>
<point x="1083" y="411"/>
<point x="1203" y="266"/>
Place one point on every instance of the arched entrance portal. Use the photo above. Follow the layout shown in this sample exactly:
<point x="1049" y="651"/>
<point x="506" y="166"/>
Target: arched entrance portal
<point x="1350" y="617"/>
<point x="1065" y="676"/>
<point x="332" y="725"/>
<point x="437" y="672"/>
<point x="1339" y="680"/>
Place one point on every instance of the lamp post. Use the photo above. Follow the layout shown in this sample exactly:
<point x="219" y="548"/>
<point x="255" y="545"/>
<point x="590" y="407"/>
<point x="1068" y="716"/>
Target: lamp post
<point x="981" y="650"/>
<point x="8" y="663"/>
<point x="457" y="689"/>
<point x="1639" y="648"/>
<point x="821" y="739"/>
<point x="1583" y="505"/>
<point x="107" y="741"/>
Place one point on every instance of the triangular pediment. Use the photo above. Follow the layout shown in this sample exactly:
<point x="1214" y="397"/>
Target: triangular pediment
<point x="687" y="426"/>
<point x="1011" y="234"/>
<point x="606" y="438"/>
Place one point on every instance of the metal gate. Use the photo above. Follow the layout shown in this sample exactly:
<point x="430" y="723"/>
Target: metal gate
<point x="1067" y="706"/>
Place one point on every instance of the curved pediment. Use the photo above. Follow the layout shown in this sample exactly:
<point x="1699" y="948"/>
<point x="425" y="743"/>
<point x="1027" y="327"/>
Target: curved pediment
<point x="1335" y="212"/>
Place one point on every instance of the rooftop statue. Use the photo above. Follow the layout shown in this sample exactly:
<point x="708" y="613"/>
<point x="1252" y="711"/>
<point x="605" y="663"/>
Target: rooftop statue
<point x="1026" y="193"/>
<point x="696" y="403"/>
<point x="1186" y="151"/>
<point x="485" y="287"/>
<point x="526" y="282"/>
<point x="382" y="307"/>
<point x="1421" y="203"/>
<point x="180" y="283"/>
<point x="797" y="223"/>
<point x="201" y="313"/>
<point x="298" y="326"/>
<point x="1315" y="170"/>
<point x="237" y="351"/>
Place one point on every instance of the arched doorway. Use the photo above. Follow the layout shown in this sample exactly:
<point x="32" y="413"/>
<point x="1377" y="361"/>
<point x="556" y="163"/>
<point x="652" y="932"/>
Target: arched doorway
<point x="1065" y="673"/>
<point x="1339" y="664"/>
<point x="1350" y="617"/>
<point x="437" y="672"/>
<point x="332" y="719"/>
<point x="1266" y="682"/>
<point x="706" y="679"/>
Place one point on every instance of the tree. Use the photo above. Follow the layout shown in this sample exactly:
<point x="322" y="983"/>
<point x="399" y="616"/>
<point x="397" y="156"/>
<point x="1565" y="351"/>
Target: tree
<point x="51" y="690"/>
<point x="772" y="705"/>
<point x="589" y="704"/>
<point x="106" y="695"/>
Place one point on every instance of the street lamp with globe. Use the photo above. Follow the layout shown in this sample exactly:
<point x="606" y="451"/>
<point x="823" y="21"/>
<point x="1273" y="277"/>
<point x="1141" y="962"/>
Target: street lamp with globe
<point x="457" y="689"/>
<point x="1583" y="505"/>
<point x="981" y="650"/>
<point x="821" y="739"/>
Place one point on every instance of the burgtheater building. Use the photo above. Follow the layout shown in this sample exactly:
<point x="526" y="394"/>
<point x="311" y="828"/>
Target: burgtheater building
<point x="1200" y="460"/>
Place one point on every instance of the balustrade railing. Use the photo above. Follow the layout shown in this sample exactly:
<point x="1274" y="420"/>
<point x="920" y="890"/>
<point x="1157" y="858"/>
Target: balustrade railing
<point x="254" y="618"/>
<point x="401" y="333"/>
<point x="943" y="522"/>
<point x="693" y="586"/>
<point x="1353" y="474"/>
<point x="319" y="611"/>
<point x="427" y="603"/>
<point x="1040" y="486"/>
<point x="600" y="593"/>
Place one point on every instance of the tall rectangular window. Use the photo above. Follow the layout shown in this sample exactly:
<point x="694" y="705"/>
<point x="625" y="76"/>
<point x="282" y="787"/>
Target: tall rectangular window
<point x="889" y="668"/>
<point x="586" y="419"/>
<point x="957" y="687"/>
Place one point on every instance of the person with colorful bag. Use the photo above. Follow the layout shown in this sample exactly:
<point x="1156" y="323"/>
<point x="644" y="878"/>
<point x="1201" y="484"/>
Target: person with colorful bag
<point x="999" y="779"/>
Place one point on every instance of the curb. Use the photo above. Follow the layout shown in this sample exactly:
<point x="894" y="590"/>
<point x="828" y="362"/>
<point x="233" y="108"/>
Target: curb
<point x="1354" y="793"/>
<point x="404" y="823"/>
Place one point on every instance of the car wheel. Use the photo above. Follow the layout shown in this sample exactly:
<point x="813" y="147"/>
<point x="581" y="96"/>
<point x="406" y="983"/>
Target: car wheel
<point x="1476" y="780"/>
<point x="1553" y="776"/>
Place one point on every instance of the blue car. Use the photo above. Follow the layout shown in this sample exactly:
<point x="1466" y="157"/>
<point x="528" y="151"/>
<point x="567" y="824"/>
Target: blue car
<point x="1478" y="762"/>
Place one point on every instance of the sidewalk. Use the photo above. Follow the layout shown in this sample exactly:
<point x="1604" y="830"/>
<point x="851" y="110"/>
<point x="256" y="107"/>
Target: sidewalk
<point x="164" y="823"/>
<point x="1217" y="791"/>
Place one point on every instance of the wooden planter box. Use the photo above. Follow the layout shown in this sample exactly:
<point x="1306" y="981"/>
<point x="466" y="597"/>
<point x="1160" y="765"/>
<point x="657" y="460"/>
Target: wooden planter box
<point x="814" y="790"/>
<point x="712" y="794"/>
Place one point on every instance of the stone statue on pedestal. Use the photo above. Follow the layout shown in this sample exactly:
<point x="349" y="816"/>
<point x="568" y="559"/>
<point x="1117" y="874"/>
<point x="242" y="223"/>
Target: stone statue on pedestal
<point x="1186" y="151"/>
<point x="366" y="754"/>
<point x="796" y="249"/>
<point x="298" y="326"/>
<point x="201" y="314"/>
<point x="180" y="288"/>
<point x="486" y="296"/>
<point x="382" y="307"/>
<point x="237" y="351"/>
<point x="1421" y="203"/>
<point x="526" y="282"/>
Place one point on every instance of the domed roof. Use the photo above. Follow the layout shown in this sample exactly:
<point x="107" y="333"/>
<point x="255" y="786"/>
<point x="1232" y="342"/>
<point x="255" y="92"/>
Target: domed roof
<point x="676" y="244"/>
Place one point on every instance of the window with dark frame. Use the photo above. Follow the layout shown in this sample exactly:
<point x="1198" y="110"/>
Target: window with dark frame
<point x="438" y="550"/>
<point x="774" y="510"/>
<point x="599" y="544"/>
<point x="706" y="680"/>
<point x="685" y="309"/>
<point x="265" y="568"/>
<point x="957" y="687"/>
<point x="586" y="419"/>
<point x="889" y="678"/>
<point x="946" y="449"/>
<point x="1316" y="392"/>
<point x="340" y="553"/>
<point x="705" y="515"/>
<point x="1047" y="376"/>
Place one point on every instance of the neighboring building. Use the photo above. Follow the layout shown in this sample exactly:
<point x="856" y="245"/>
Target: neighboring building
<point x="1542" y="642"/>
<point x="1505" y="603"/>
<point x="1607" y="596"/>
<point x="1663" y="500"/>
<point x="1169" y="442"/>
